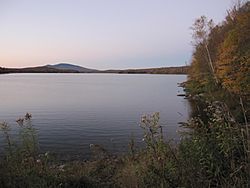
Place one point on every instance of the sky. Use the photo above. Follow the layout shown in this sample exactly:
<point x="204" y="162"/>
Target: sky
<point x="101" y="34"/>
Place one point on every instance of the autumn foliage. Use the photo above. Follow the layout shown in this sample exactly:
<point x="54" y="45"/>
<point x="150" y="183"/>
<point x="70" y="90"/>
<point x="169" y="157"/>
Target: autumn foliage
<point x="222" y="52"/>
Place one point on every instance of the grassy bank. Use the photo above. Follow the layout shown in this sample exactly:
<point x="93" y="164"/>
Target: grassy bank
<point x="214" y="154"/>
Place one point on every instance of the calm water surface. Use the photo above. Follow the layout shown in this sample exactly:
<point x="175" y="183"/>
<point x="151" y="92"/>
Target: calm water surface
<point x="72" y="111"/>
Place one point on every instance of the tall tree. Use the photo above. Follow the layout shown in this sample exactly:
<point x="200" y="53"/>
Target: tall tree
<point x="201" y="30"/>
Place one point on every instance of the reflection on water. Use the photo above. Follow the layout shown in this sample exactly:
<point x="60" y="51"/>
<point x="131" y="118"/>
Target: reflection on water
<point x="71" y="111"/>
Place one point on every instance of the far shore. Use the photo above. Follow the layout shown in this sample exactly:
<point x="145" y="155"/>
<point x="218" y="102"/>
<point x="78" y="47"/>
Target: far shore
<point x="48" y="69"/>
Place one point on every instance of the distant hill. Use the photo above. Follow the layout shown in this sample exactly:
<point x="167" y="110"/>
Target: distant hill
<point x="69" y="68"/>
<point x="58" y="68"/>
<point x="66" y="66"/>
<point x="41" y="69"/>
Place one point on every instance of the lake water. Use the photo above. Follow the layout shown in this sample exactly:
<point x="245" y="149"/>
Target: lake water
<point x="72" y="111"/>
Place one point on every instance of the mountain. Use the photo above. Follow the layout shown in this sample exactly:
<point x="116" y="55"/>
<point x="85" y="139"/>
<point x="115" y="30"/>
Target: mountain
<point x="40" y="69"/>
<point x="58" y="68"/>
<point x="66" y="66"/>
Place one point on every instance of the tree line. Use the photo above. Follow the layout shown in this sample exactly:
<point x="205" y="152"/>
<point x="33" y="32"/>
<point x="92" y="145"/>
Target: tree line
<point x="220" y="65"/>
<point x="222" y="52"/>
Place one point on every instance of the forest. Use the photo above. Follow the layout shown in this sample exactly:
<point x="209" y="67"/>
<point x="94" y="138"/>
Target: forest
<point x="221" y="57"/>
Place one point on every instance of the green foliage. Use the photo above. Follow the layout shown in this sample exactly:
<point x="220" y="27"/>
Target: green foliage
<point x="214" y="154"/>
<point x="217" y="150"/>
<point x="160" y="159"/>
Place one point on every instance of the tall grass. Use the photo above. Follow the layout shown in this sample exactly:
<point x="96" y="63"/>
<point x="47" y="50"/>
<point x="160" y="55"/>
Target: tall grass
<point x="214" y="154"/>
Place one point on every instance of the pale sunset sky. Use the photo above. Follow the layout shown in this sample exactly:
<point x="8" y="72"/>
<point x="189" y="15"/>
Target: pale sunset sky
<point x="101" y="34"/>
